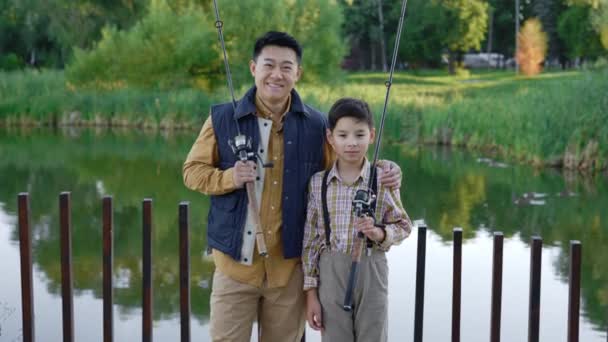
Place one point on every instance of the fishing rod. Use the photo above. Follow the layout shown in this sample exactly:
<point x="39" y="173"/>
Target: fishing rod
<point x="241" y="145"/>
<point x="365" y="198"/>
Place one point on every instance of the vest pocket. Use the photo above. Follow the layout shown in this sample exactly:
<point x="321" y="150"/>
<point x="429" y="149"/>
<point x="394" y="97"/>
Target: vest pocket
<point x="226" y="202"/>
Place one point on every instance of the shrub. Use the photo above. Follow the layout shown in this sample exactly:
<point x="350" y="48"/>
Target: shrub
<point x="532" y="47"/>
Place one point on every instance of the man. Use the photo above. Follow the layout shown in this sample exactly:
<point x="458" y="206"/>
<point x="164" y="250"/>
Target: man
<point x="291" y="136"/>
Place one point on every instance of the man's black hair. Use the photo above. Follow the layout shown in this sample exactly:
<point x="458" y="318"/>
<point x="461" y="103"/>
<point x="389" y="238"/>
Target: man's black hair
<point x="350" y="108"/>
<point x="275" y="38"/>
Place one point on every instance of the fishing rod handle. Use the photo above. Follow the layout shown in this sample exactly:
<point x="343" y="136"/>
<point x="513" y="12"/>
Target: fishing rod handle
<point x="255" y="214"/>
<point x="350" y="288"/>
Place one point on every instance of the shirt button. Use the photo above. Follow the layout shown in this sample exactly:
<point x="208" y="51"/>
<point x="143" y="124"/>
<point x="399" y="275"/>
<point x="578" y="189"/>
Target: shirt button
<point x="265" y="124"/>
<point x="261" y="150"/>
<point x="245" y="259"/>
<point x="275" y="182"/>
<point x="275" y="158"/>
<point x="272" y="207"/>
<point x="289" y="142"/>
<point x="249" y="232"/>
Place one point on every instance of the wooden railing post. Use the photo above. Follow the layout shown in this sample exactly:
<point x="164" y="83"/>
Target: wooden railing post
<point x="456" y="284"/>
<point x="420" y="270"/>
<point x="147" y="271"/>
<point x="108" y="256"/>
<point x="25" y="250"/>
<point x="574" y="291"/>
<point x="65" y="223"/>
<point x="184" y="271"/>
<point x="535" y="274"/>
<point x="496" y="287"/>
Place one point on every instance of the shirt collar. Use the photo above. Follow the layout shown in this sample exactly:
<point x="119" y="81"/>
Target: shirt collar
<point x="246" y="105"/>
<point x="264" y="112"/>
<point x="363" y="175"/>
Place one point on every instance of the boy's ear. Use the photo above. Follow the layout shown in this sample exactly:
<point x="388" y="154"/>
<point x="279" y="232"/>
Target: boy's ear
<point x="329" y="136"/>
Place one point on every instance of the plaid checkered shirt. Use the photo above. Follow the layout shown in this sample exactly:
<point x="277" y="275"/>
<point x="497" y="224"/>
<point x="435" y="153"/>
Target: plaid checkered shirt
<point x="389" y="210"/>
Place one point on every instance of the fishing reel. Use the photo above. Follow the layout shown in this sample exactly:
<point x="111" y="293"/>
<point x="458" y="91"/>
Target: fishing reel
<point x="362" y="203"/>
<point x="362" y="206"/>
<point x="241" y="147"/>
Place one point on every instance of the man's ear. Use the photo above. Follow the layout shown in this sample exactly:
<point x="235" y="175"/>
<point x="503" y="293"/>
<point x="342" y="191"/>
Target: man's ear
<point x="252" y="66"/>
<point x="372" y="135"/>
<point x="299" y="71"/>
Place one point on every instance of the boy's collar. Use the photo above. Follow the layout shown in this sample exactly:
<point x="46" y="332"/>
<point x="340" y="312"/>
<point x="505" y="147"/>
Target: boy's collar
<point x="363" y="174"/>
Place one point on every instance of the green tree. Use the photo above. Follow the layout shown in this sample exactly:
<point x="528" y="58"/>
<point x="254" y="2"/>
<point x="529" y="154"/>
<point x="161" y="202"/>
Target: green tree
<point x="422" y="38"/>
<point x="598" y="16"/>
<point x="43" y="32"/>
<point x="165" y="48"/>
<point x="182" y="39"/>
<point x="576" y="30"/>
<point x="548" y="12"/>
<point x="466" y="23"/>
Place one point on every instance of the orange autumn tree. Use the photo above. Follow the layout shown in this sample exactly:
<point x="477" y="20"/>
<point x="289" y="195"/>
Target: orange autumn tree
<point x="532" y="47"/>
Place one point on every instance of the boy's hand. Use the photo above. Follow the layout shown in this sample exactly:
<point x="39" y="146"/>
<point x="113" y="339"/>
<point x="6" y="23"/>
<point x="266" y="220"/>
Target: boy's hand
<point x="365" y="225"/>
<point x="313" y="310"/>
<point x="390" y="174"/>
<point x="244" y="172"/>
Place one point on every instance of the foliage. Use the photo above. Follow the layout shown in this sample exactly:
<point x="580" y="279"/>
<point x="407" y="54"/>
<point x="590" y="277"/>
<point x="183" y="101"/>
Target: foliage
<point x="576" y="31"/>
<point x="165" y="49"/>
<point x="548" y="13"/>
<point x="532" y="44"/>
<point x="43" y="32"/>
<point x="465" y="27"/>
<point x="183" y="41"/>
<point x="423" y="32"/>
<point x="532" y="119"/>
<point x="598" y="16"/>
<point x="467" y="20"/>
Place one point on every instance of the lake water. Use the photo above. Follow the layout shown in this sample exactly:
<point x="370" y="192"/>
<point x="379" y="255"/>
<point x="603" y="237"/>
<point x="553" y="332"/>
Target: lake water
<point x="444" y="187"/>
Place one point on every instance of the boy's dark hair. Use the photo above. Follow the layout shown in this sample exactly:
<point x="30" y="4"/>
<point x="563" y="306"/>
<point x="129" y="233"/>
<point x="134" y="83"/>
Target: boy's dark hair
<point x="281" y="39"/>
<point x="350" y="108"/>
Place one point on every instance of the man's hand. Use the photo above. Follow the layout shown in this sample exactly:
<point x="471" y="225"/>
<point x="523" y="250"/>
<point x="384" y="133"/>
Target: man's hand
<point x="390" y="174"/>
<point x="244" y="172"/>
<point x="313" y="310"/>
<point x="365" y="225"/>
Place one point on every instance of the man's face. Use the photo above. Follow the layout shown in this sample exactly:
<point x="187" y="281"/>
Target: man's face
<point x="276" y="72"/>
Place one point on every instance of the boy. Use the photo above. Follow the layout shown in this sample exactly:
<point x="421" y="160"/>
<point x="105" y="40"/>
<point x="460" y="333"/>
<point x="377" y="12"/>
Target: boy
<point x="326" y="250"/>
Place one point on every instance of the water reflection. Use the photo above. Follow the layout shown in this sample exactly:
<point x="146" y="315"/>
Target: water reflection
<point x="448" y="188"/>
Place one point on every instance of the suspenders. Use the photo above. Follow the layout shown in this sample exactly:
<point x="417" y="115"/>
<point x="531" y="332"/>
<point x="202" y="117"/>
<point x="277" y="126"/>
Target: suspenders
<point x="326" y="219"/>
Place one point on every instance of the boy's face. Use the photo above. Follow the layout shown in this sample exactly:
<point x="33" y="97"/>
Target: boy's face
<point x="351" y="139"/>
<point x="276" y="71"/>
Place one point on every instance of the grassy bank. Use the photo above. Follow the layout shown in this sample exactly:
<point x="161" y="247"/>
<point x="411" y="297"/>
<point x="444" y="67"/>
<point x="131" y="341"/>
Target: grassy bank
<point x="558" y="119"/>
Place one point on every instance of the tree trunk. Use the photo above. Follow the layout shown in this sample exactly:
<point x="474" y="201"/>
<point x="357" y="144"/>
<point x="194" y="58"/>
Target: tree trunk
<point x="372" y="53"/>
<point x="451" y="62"/>
<point x="382" y="43"/>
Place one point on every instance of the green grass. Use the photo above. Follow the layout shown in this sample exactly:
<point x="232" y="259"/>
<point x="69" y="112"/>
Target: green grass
<point x="519" y="118"/>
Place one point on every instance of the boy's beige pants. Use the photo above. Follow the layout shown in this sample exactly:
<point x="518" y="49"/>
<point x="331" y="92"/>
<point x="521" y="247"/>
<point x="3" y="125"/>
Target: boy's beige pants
<point x="235" y="306"/>
<point x="368" y="321"/>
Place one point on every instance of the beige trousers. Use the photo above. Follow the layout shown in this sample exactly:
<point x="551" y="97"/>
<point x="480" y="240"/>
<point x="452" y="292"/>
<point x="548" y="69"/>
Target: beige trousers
<point x="235" y="306"/>
<point x="368" y="322"/>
